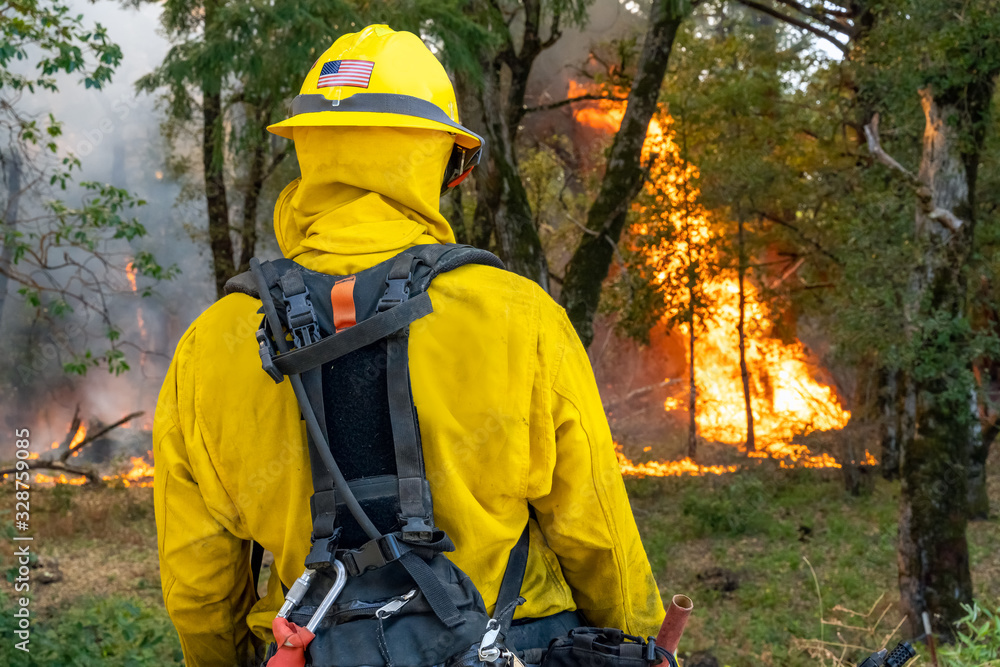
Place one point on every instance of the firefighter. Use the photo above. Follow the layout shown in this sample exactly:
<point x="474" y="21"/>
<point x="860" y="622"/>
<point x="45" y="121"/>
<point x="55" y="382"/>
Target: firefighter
<point x="509" y="411"/>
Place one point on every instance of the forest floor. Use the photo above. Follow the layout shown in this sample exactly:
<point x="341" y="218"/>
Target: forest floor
<point x="764" y="553"/>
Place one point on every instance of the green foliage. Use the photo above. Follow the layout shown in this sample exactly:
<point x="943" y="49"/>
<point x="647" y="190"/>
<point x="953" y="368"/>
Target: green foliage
<point x="94" y="631"/>
<point x="977" y="642"/>
<point x="45" y="32"/>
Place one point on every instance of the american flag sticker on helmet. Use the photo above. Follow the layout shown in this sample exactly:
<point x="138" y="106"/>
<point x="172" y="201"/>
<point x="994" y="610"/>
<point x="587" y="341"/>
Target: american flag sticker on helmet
<point x="346" y="73"/>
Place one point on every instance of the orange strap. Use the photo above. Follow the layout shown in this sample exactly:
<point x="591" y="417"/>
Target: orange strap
<point x="342" y="300"/>
<point x="292" y="642"/>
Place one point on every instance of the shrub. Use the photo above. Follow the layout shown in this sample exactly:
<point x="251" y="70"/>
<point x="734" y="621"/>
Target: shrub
<point x="110" y="632"/>
<point x="977" y="641"/>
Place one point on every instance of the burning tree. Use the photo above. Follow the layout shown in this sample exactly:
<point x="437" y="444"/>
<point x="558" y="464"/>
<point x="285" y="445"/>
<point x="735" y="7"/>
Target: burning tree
<point x="677" y="252"/>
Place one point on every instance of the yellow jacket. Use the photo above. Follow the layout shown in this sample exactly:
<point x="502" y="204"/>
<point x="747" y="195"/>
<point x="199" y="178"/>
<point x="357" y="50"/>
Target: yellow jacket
<point x="509" y="414"/>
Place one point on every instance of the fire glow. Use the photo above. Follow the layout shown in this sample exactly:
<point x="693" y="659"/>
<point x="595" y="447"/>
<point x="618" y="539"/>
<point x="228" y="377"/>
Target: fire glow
<point x="140" y="474"/>
<point x="787" y="397"/>
<point x="131" y="272"/>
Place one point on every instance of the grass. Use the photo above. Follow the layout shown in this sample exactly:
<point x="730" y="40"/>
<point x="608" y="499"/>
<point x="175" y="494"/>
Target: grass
<point x="760" y="525"/>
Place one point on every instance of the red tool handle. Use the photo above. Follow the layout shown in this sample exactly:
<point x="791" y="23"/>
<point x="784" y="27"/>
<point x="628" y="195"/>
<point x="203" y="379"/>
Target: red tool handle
<point x="292" y="642"/>
<point x="677" y="616"/>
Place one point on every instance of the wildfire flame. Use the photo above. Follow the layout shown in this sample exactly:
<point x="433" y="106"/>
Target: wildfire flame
<point x="667" y="468"/>
<point x="787" y="397"/>
<point x="140" y="474"/>
<point x="131" y="272"/>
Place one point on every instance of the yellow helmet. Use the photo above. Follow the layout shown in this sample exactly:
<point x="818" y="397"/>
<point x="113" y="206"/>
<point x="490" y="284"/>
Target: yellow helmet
<point x="382" y="78"/>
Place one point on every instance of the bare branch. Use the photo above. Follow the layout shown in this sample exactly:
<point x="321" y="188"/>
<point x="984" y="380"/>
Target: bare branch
<point x="823" y="16"/>
<point x="815" y="244"/>
<point x="789" y="272"/>
<point x="48" y="464"/>
<point x="798" y="23"/>
<point x="555" y="32"/>
<point x="925" y="199"/>
<point x="69" y="452"/>
<point x="74" y="426"/>
<point x="571" y="100"/>
<point x="635" y="393"/>
<point x="277" y="160"/>
<point x="875" y="147"/>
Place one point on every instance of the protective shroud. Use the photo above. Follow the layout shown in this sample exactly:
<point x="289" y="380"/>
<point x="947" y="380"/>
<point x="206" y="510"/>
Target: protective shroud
<point x="348" y="363"/>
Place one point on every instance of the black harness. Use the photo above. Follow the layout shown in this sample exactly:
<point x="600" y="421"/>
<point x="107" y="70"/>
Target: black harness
<point x="343" y="342"/>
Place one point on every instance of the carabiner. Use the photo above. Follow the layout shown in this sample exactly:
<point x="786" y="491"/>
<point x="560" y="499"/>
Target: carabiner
<point x="329" y="598"/>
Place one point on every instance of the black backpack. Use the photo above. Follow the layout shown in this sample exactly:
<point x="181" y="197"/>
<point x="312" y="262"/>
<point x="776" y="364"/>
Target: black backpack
<point x="377" y="586"/>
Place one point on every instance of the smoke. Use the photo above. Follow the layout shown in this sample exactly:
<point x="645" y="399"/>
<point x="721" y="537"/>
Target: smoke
<point x="116" y="135"/>
<point x="608" y="21"/>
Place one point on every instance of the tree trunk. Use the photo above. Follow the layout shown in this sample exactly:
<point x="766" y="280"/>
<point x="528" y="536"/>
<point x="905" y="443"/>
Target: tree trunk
<point x="10" y="216"/>
<point x="213" y="161"/>
<point x="456" y="215"/>
<point x="934" y="573"/>
<point x="251" y="199"/>
<point x="692" y="391"/>
<point x="979" y="99"/>
<point x="744" y="374"/>
<point x="978" y="493"/>
<point x="891" y="420"/>
<point x="502" y="207"/>
<point x="588" y="267"/>
<point x="469" y="99"/>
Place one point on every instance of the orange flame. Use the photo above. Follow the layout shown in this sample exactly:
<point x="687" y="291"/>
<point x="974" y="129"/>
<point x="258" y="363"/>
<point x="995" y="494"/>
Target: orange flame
<point x="130" y="273"/>
<point x="78" y="437"/>
<point x="61" y="479"/>
<point x="787" y="397"/>
<point x="667" y="468"/>
<point x="140" y="474"/>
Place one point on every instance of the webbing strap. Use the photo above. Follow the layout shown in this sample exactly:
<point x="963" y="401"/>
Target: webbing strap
<point x="317" y="438"/>
<point x="409" y="454"/>
<point x="431" y="253"/>
<point x="415" y="514"/>
<point x="292" y="283"/>
<point x="513" y="576"/>
<point x="435" y="594"/>
<point x="632" y="651"/>
<point x="448" y="258"/>
<point x="371" y="330"/>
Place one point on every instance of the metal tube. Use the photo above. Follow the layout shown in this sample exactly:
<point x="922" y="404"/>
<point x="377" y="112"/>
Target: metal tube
<point x="329" y="598"/>
<point x="296" y="593"/>
<point x="677" y="616"/>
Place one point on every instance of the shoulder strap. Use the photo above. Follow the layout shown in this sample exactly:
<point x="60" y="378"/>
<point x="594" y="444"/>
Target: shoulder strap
<point x="242" y="283"/>
<point x="513" y="576"/>
<point x="413" y="271"/>
<point x="441" y="257"/>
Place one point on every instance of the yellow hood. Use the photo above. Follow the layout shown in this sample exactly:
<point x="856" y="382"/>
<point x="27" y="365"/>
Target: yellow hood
<point x="364" y="195"/>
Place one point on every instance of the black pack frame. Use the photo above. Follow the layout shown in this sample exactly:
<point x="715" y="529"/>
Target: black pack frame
<point x="386" y="538"/>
